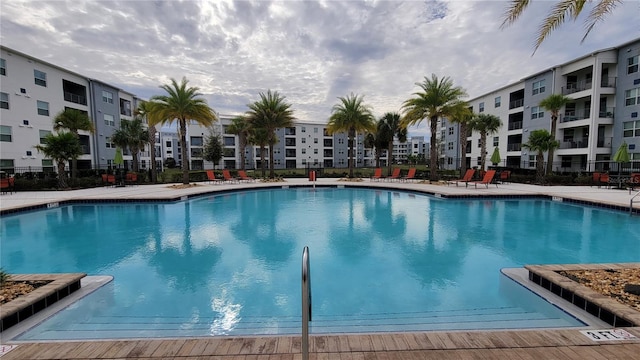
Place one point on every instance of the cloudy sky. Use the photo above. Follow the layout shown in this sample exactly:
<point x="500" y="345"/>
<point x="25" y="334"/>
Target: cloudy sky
<point x="310" y="51"/>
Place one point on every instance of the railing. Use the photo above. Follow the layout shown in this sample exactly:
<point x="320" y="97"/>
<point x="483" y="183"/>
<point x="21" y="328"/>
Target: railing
<point x="78" y="99"/>
<point x="578" y="143"/>
<point x="306" y="302"/>
<point x="631" y="201"/>
<point x="514" y="147"/>
<point x="515" y="125"/>
<point x="576" y="86"/>
<point x="604" y="143"/>
<point x="573" y="115"/>
<point x="608" y="82"/>
<point x="516" y="103"/>
<point x="607" y="113"/>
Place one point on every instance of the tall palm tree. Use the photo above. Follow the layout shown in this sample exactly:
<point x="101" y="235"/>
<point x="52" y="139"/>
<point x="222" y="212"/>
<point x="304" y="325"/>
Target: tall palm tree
<point x="553" y="103"/>
<point x="131" y="135"/>
<point x="241" y="127"/>
<point x="144" y="111"/>
<point x="270" y="113"/>
<point x="61" y="147"/>
<point x="540" y="141"/>
<point x="462" y="115"/>
<point x="260" y="138"/>
<point x="436" y="100"/>
<point x="377" y="140"/>
<point x="351" y="115"/>
<point x="558" y="14"/>
<point x="485" y="124"/>
<point x="73" y="120"/>
<point x="182" y="104"/>
<point x="392" y="122"/>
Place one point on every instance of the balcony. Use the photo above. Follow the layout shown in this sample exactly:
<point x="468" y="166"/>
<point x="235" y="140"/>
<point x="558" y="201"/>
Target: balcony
<point x="514" y="147"/>
<point x="574" y="115"/>
<point x="608" y="82"/>
<point x="516" y="103"/>
<point x="515" y="125"/>
<point x="574" y="87"/>
<point x="575" y="143"/>
<point x="608" y="113"/>
<point x="604" y="143"/>
<point x="75" y="98"/>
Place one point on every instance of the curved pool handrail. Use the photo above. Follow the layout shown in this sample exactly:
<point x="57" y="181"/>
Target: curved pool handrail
<point x="306" y="302"/>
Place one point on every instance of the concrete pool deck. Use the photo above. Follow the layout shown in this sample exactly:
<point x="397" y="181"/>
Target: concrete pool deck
<point x="509" y="344"/>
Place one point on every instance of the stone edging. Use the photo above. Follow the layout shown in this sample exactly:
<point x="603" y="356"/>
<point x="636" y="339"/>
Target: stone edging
<point x="596" y="304"/>
<point x="19" y="309"/>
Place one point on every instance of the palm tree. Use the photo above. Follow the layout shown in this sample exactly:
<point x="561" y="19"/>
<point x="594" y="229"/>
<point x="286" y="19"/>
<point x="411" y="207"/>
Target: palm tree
<point x="61" y="148"/>
<point x="144" y="111"/>
<point x="182" y="104"/>
<point x="462" y="115"/>
<point x="485" y="124"/>
<point x="242" y="127"/>
<point x="391" y="121"/>
<point x="377" y="140"/>
<point x="437" y="99"/>
<point x="131" y="135"/>
<point x="562" y="9"/>
<point x="73" y="120"/>
<point x="260" y="138"/>
<point x="540" y="141"/>
<point x="270" y="113"/>
<point x="351" y="115"/>
<point x="553" y="103"/>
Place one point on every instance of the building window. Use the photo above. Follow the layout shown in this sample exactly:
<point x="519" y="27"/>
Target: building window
<point x="496" y="140"/>
<point x="43" y="108"/>
<point x="25" y="122"/>
<point x="197" y="141"/>
<point x="304" y="151"/>
<point x="497" y="102"/>
<point x="632" y="65"/>
<point x="125" y="107"/>
<point x="315" y="140"/>
<point x="107" y="96"/>
<point x="3" y="67"/>
<point x="303" y="129"/>
<point x="4" y="100"/>
<point x="632" y="97"/>
<point x="538" y="87"/>
<point x="47" y="165"/>
<point x="108" y="120"/>
<point x="450" y="145"/>
<point x="451" y="130"/>
<point x="43" y="134"/>
<point x="315" y="151"/>
<point x="229" y="141"/>
<point x="168" y="143"/>
<point x="315" y="130"/>
<point x="536" y="112"/>
<point x="40" y="77"/>
<point x="481" y="107"/>
<point x="5" y="133"/>
<point x="631" y="128"/>
<point x="532" y="161"/>
<point x="303" y="140"/>
<point x="7" y="165"/>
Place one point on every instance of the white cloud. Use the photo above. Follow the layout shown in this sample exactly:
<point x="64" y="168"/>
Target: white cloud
<point x="311" y="52"/>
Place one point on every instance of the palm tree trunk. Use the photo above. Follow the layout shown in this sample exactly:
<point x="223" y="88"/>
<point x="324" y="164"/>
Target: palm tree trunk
<point x="272" y="173"/>
<point x="554" y="125"/>
<point x="483" y="150"/>
<point x="74" y="162"/>
<point x="62" y="175"/>
<point x="463" y="148"/>
<point x="135" y="155"/>
<point x="433" y="153"/>
<point x="540" y="167"/>
<point x="351" y="154"/>
<point x="243" y="146"/>
<point x="390" y="153"/>
<point x="377" y="157"/>
<point x="152" y="152"/>
<point x="183" y="151"/>
<point x="264" y="171"/>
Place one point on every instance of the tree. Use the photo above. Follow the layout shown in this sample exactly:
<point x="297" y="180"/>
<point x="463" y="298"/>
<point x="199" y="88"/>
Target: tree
<point x="391" y="121"/>
<point x="213" y="149"/>
<point x="260" y="137"/>
<point x="131" y="135"/>
<point x="553" y="103"/>
<point x="540" y="141"/>
<point x="485" y="124"/>
<point x="241" y="127"/>
<point x="144" y="111"/>
<point x="270" y="113"/>
<point x="462" y="115"/>
<point x="61" y="147"/>
<point x="562" y="9"/>
<point x="351" y="115"/>
<point x="73" y="120"/>
<point x="377" y="140"/>
<point x="182" y="104"/>
<point x="437" y="99"/>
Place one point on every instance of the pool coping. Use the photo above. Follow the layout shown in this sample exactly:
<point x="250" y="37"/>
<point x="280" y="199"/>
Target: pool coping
<point x="23" y="307"/>
<point x="601" y="306"/>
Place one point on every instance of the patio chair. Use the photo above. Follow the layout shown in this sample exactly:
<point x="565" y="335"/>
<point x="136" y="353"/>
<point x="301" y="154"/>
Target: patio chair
<point x="108" y="179"/>
<point x="505" y="176"/>
<point x="595" y="179"/>
<point x="486" y="179"/>
<point x="131" y="179"/>
<point x="634" y="181"/>
<point x="243" y="176"/>
<point x="604" y="180"/>
<point x="468" y="176"/>
<point x="377" y="175"/>
<point x="395" y="175"/>
<point x="211" y="177"/>
<point x="227" y="176"/>
<point x="8" y="185"/>
<point x="410" y="175"/>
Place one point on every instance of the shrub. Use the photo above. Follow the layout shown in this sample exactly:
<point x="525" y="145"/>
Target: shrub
<point x="4" y="277"/>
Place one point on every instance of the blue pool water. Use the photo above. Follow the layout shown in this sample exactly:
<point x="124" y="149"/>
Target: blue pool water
<point x="381" y="261"/>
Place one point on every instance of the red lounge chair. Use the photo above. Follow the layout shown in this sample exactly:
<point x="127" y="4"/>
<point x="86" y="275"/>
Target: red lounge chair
<point x="410" y="175"/>
<point x="377" y="174"/>
<point x="243" y="176"/>
<point x="108" y="179"/>
<point x="604" y="180"/>
<point x="227" y="176"/>
<point x="395" y="175"/>
<point x="468" y="176"/>
<point x="131" y="179"/>
<point x="504" y="176"/>
<point x="8" y="185"/>
<point x="486" y="179"/>
<point x="211" y="177"/>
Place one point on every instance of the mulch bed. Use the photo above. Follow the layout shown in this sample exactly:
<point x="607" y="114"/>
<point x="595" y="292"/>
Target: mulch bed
<point x="14" y="289"/>
<point x="609" y="282"/>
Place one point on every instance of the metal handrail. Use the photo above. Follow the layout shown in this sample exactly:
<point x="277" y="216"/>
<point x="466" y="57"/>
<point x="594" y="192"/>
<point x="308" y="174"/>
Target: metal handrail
<point x="631" y="202"/>
<point x="306" y="302"/>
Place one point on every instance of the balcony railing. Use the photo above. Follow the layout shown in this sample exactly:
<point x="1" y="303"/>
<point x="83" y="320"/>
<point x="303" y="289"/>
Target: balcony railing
<point x="608" y="113"/>
<point x="75" y="98"/>
<point x="514" y="147"/>
<point x="576" y="86"/>
<point x="515" y="125"/>
<point x="573" y="115"/>
<point x="516" y="103"/>
<point x="608" y="82"/>
<point x="604" y="143"/>
<point x="576" y="143"/>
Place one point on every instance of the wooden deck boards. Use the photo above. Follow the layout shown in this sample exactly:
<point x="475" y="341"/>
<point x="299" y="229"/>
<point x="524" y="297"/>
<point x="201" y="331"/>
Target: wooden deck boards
<point x="513" y="345"/>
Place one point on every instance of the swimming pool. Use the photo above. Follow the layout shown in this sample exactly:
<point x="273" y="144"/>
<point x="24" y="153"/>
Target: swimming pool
<point x="381" y="260"/>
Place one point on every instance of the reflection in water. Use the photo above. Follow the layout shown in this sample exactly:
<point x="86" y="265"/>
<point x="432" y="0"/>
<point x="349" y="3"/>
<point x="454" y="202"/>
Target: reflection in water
<point x="228" y="315"/>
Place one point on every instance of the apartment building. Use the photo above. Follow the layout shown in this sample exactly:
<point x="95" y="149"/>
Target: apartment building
<point x="604" y="88"/>
<point x="33" y="92"/>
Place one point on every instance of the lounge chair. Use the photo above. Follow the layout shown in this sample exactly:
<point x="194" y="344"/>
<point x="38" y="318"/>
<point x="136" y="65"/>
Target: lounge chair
<point x="604" y="180"/>
<point x="486" y="179"/>
<point x="395" y="175"/>
<point x="227" y="176"/>
<point x="131" y="179"/>
<point x="8" y="185"/>
<point x="504" y="176"/>
<point x="410" y="175"/>
<point x="468" y="176"/>
<point x="595" y="179"/>
<point x="377" y="174"/>
<point x="108" y="179"/>
<point x="243" y="176"/>
<point x="211" y="177"/>
<point x="634" y="181"/>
